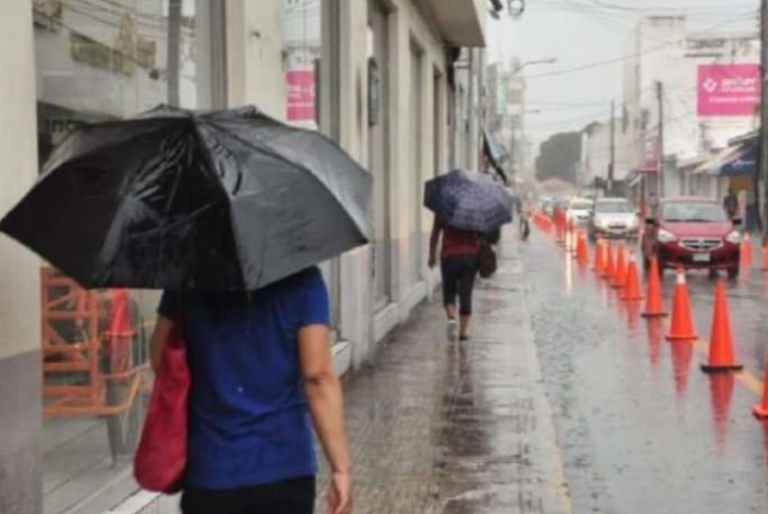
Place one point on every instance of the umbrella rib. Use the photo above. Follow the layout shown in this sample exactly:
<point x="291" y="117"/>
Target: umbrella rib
<point x="284" y="159"/>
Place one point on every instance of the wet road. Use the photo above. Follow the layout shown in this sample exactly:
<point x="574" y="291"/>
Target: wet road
<point x="641" y="428"/>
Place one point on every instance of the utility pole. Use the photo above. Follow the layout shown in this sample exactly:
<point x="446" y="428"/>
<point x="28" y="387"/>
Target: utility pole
<point x="762" y="170"/>
<point x="660" y="144"/>
<point x="612" y="164"/>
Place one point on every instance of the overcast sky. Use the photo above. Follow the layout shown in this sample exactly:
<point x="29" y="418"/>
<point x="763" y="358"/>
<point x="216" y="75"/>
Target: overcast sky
<point x="583" y="32"/>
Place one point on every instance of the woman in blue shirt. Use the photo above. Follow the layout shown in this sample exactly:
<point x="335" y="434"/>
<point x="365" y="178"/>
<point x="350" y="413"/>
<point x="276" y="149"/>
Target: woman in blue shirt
<point x="262" y="372"/>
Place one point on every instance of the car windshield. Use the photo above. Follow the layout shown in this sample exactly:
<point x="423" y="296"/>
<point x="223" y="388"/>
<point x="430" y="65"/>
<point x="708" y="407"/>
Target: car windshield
<point x="581" y="206"/>
<point x="617" y="207"/>
<point x="693" y="213"/>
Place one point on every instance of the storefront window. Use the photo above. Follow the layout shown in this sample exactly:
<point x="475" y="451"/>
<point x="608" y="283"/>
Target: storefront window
<point x="304" y="39"/>
<point x="99" y="60"/>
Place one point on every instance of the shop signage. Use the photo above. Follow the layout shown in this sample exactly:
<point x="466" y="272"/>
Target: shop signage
<point x="728" y="89"/>
<point x="301" y="95"/>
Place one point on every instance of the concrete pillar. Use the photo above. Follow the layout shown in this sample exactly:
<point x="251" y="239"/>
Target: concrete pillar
<point x="356" y="267"/>
<point x="20" y="373"/>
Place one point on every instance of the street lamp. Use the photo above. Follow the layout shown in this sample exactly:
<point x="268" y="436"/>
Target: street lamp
<point x="548" y="60"/>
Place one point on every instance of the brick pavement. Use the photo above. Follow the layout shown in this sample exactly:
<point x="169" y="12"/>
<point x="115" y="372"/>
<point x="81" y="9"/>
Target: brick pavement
<point x="448" y="428"/>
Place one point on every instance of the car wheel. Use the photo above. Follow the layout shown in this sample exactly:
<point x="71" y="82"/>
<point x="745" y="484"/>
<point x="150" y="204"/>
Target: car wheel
<point x="733" y="273"/>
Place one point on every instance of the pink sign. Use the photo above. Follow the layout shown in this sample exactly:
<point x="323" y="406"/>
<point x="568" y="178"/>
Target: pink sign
<point x="301" y="95"/>
<point x="651" y="159"/>
<point x="728" y="89"/>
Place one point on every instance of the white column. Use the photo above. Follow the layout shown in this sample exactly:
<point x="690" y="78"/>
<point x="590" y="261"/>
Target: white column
<point x="20" y="395"/>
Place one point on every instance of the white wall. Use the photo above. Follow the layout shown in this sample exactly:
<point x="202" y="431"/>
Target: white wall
<point x="255" y="55"/>
<point x="19" y="268"/>
<point x="20" y="384"/>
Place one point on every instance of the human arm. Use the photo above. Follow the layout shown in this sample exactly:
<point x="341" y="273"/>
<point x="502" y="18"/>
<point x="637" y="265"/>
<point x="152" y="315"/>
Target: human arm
<point x="326" y="403"/>
<point x="434" y="239"/>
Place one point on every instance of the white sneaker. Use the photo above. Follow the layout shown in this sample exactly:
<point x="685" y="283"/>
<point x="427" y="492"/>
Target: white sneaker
<point x="453" y="330"/>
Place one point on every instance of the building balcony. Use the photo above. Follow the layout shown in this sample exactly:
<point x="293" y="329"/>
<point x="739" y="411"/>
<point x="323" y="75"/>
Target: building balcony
<point x="461" y="23"/>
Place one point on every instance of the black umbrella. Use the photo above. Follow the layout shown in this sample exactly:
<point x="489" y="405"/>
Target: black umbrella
<point x="468" y="200"/>
<point x="174" y="199"/>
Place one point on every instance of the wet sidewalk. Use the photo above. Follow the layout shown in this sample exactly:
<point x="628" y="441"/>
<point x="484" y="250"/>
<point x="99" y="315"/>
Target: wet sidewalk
<point x="448" y="428"/>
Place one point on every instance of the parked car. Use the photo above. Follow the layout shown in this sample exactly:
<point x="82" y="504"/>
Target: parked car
<point x="692" y="233"/>
<point x="579" y="210"/>
<point x="614" y="218"/>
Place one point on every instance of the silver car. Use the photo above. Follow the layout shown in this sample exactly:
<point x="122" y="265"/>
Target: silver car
<point x="614" y="218"/>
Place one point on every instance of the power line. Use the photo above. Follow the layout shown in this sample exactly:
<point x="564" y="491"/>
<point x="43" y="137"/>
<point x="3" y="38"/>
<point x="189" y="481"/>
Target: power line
<point x="616" y="60"/>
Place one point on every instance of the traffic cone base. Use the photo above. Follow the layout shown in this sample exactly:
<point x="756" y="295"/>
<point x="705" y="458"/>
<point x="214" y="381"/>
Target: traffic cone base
<point x="760" y="411"/>
<point x="683" y="337"/>
<point x="655" y="315"/>
<point x="731" y="368"/>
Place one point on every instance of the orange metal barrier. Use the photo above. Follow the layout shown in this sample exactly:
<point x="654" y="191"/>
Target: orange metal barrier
<point x="89" y="367"/>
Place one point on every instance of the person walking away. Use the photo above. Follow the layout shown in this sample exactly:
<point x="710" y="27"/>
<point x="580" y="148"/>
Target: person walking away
<point x="731" y="203"/>
<point x="261" y="367"/>
<point x="458" y="266"/>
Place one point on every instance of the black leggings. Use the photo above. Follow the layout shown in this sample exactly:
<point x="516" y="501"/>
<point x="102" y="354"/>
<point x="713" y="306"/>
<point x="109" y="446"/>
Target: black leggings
<point x="296" y="496"/>
<point x="459" y="280"/>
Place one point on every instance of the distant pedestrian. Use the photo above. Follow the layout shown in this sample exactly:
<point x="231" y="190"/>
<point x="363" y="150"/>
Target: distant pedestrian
<point x="260" y="364"/>
<point x="731" y="203"/>
<point x="458" y="265"/>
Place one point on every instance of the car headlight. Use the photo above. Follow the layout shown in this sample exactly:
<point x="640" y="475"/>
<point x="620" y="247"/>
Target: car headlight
<point x="733" y="237"/>
<point x="665" y="236"/>
<point x="633" y="222"/>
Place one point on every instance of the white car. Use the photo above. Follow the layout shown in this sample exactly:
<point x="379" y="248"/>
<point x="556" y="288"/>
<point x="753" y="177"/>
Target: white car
<point x="580" y="210"/>
<point x="614" y="218"/>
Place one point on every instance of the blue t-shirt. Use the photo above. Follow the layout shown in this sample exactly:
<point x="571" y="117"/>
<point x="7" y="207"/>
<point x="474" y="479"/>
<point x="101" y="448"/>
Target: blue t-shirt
<point x="249" y="422"/>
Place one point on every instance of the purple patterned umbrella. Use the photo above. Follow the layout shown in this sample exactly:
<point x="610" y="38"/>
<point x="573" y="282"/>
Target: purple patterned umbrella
<point x="468" y="200"/>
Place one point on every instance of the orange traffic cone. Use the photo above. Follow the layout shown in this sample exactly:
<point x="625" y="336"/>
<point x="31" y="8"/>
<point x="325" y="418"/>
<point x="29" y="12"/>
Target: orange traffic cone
<point x="599" y="266"/>
<point x="721" y="357"/>
<point x="633" y="290"/>
<point x="582" y="250"/>
<point x="746" y="252"/>
<point x="682" y="319"/>
<point x="620" y="275"/>
<point x="120" y="331"/>
<point x="654" y="307"/>
<point x="610" y="269"/>
<point x="761" y="409"/>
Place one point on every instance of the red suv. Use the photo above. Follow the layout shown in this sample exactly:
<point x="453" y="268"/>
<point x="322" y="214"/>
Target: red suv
<point x="693" y="233"/>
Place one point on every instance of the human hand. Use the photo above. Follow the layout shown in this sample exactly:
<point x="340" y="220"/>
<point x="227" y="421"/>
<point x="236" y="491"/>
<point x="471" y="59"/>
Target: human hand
<point x="340" y="495"/>
<point x="432" y="262"/>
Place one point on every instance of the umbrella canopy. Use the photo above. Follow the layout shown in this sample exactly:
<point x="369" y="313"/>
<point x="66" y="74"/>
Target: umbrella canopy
<point x="468" y="200"/>
<point x="173" y="199"/>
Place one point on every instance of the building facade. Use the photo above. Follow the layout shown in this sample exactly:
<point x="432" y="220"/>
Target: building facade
<point x="395" y="82"/>
<point x="506" y="112"/>
<point x="704" y="87"/>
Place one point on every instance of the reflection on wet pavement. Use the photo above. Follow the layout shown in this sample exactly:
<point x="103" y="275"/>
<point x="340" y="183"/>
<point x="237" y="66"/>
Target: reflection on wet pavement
<point x="641" y="428"/>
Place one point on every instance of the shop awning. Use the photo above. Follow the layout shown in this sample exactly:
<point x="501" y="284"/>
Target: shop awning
<point x="744" y="165"/>
<point x="497" y="155"/>
<point x="712" y="165"/>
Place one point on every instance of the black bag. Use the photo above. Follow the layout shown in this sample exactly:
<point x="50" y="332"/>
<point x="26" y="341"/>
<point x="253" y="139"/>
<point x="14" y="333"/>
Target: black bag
<point x="487" y="263"/>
